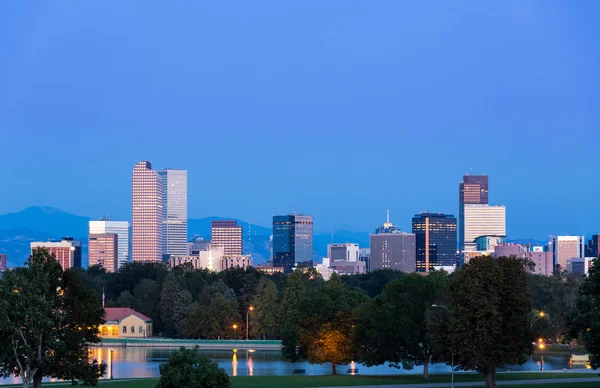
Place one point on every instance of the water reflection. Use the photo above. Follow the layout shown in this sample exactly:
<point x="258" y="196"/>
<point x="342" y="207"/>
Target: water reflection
<point x="144" y="362"/>
<point x="250" y="362"/>
<point x="234" y="363"/>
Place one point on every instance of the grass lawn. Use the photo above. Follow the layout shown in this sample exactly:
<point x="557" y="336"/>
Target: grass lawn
<point x="324" y="381"/>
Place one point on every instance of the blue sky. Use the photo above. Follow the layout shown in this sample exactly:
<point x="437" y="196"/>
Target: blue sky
<point x="340" y="109"/>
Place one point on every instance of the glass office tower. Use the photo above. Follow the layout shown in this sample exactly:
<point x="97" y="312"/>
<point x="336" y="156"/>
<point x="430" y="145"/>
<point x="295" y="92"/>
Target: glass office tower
<point x="435" y="240"/>
<point x="292" y="240"/>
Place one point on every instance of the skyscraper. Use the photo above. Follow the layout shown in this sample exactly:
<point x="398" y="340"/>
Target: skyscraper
<point x="146" y="217"/>
<point x="103" y="250"/>
<point x="482" y="220"/>
<point x="174" y="211"/>
<point x="565" y="248"/>
<point x="3" y="266"/>
<point x="121" y="229"/>
<point x="591" y="249"/>
<point x="435" y="239"/>
<point x="227" y="234"/>
<point x="292" y="240"/>
<point x="393" y="249"/>
<point x="472" y="190"/>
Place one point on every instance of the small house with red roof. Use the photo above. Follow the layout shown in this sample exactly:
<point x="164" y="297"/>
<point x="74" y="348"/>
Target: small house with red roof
<point x="123" y="322"/>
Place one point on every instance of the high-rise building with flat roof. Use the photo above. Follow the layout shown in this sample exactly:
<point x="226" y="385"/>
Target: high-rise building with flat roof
<point x="103" y="250"/>
<point x="393" y="249"/>
<point x="174" y="211"/>
<point x="121" y="229"/>
<point x="435" y="239"/>
<point x="146" y="217"/>
<point x="565" y="248"/>
<point x="482" y="220"/>
<point x="472" y="190"/>
<point x="364" y="255"/>
<point x="228" y="235"/>
<point x="592" y="247"/>
<point x="345" y="251"/>
<point x="292" y="240"/>
<point x="3" y="266"/>
<point x="67" y="251"/>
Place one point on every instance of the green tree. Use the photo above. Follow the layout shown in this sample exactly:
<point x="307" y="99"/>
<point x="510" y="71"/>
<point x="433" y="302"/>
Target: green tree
<point x="47" y="318"/>
<point x="489" y="326"/>
<point x="372" y="283"/>
<point x="146" y="293"/>
<point x="174" y="303"/>
<point x="265" y="317"/>
<point x="82" y="317"/>
<point x="217" y="287"/>
<point x="289" y="314"/>
<point x="556" y="296"/>
<point x="403" y="306"/>
<point x="326" y="331"/>
<point x="587" y="312"/>
<point x="213" y="320"/>
<point x="187" y="368"/>
<point x="125" y="299"/>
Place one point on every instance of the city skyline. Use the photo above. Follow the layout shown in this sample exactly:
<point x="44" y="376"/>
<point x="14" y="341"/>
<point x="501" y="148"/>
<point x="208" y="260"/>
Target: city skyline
<point x="427" y="90"/>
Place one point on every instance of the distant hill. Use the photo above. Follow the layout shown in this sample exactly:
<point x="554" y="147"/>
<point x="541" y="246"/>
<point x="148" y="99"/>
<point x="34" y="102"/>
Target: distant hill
<point x="48" y="220"/>
<point x="15" y="243"/>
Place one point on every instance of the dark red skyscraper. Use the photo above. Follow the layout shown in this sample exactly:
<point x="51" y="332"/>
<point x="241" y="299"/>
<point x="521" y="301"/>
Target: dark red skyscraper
<point x="472" y="190"/>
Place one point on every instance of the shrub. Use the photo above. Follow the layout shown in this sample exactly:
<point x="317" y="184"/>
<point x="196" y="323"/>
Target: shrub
<point x="187" y="368"/>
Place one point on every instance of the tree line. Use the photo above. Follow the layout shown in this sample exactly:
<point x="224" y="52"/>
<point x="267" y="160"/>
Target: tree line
<point x="484" y="316"/>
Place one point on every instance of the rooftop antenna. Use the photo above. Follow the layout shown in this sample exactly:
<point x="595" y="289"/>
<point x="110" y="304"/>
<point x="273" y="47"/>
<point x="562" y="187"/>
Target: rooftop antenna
<point x="332" y="235"/>
<point x="387" y="220"/>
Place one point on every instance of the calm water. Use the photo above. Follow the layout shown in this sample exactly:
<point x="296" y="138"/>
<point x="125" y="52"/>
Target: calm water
<point x="144" y="362"/>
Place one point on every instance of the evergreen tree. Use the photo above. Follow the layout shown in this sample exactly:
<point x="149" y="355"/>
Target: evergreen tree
<point x="265" y="317"/>
<point x="289" y="314"/>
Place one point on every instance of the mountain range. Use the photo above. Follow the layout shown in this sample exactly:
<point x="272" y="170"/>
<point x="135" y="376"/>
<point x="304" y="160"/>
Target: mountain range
<point x="42" y="223"/>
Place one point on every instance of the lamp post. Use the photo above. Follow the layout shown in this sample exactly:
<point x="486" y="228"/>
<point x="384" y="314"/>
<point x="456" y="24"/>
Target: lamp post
<point x="234" y="333"/>
<point x="251" y="308"/>
<point x="111" y="363"/>
<point x="447" y="309"/>
<point x="541" y="314"/>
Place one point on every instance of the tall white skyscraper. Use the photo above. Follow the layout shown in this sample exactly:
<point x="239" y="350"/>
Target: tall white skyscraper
<point x="121" y="229"/>
<point x="482" y="220"/>
<point x="174" y="211"/>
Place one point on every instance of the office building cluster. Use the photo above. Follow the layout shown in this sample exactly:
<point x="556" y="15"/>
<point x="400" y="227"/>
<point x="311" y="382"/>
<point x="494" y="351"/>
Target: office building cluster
<point x="159" y="232"/>
<point x="440" y="241"/>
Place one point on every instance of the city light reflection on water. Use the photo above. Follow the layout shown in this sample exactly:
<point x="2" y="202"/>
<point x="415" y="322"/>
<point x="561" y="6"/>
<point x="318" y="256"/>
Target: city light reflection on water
<point x="137" y="362"/>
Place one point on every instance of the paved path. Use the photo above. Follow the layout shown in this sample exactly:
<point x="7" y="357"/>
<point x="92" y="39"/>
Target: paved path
<point x="481" y="383"/>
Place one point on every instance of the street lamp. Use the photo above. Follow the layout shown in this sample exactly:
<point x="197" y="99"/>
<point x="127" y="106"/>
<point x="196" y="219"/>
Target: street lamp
<point x="541" y="314"/>
<point x="111" y="363"/>
<point x="234" y="329"/>
<point x="449" y="312"/>
<point x="251" y="308"/>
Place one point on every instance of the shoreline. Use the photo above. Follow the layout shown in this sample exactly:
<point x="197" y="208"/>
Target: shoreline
<point x="188" y="343"/>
